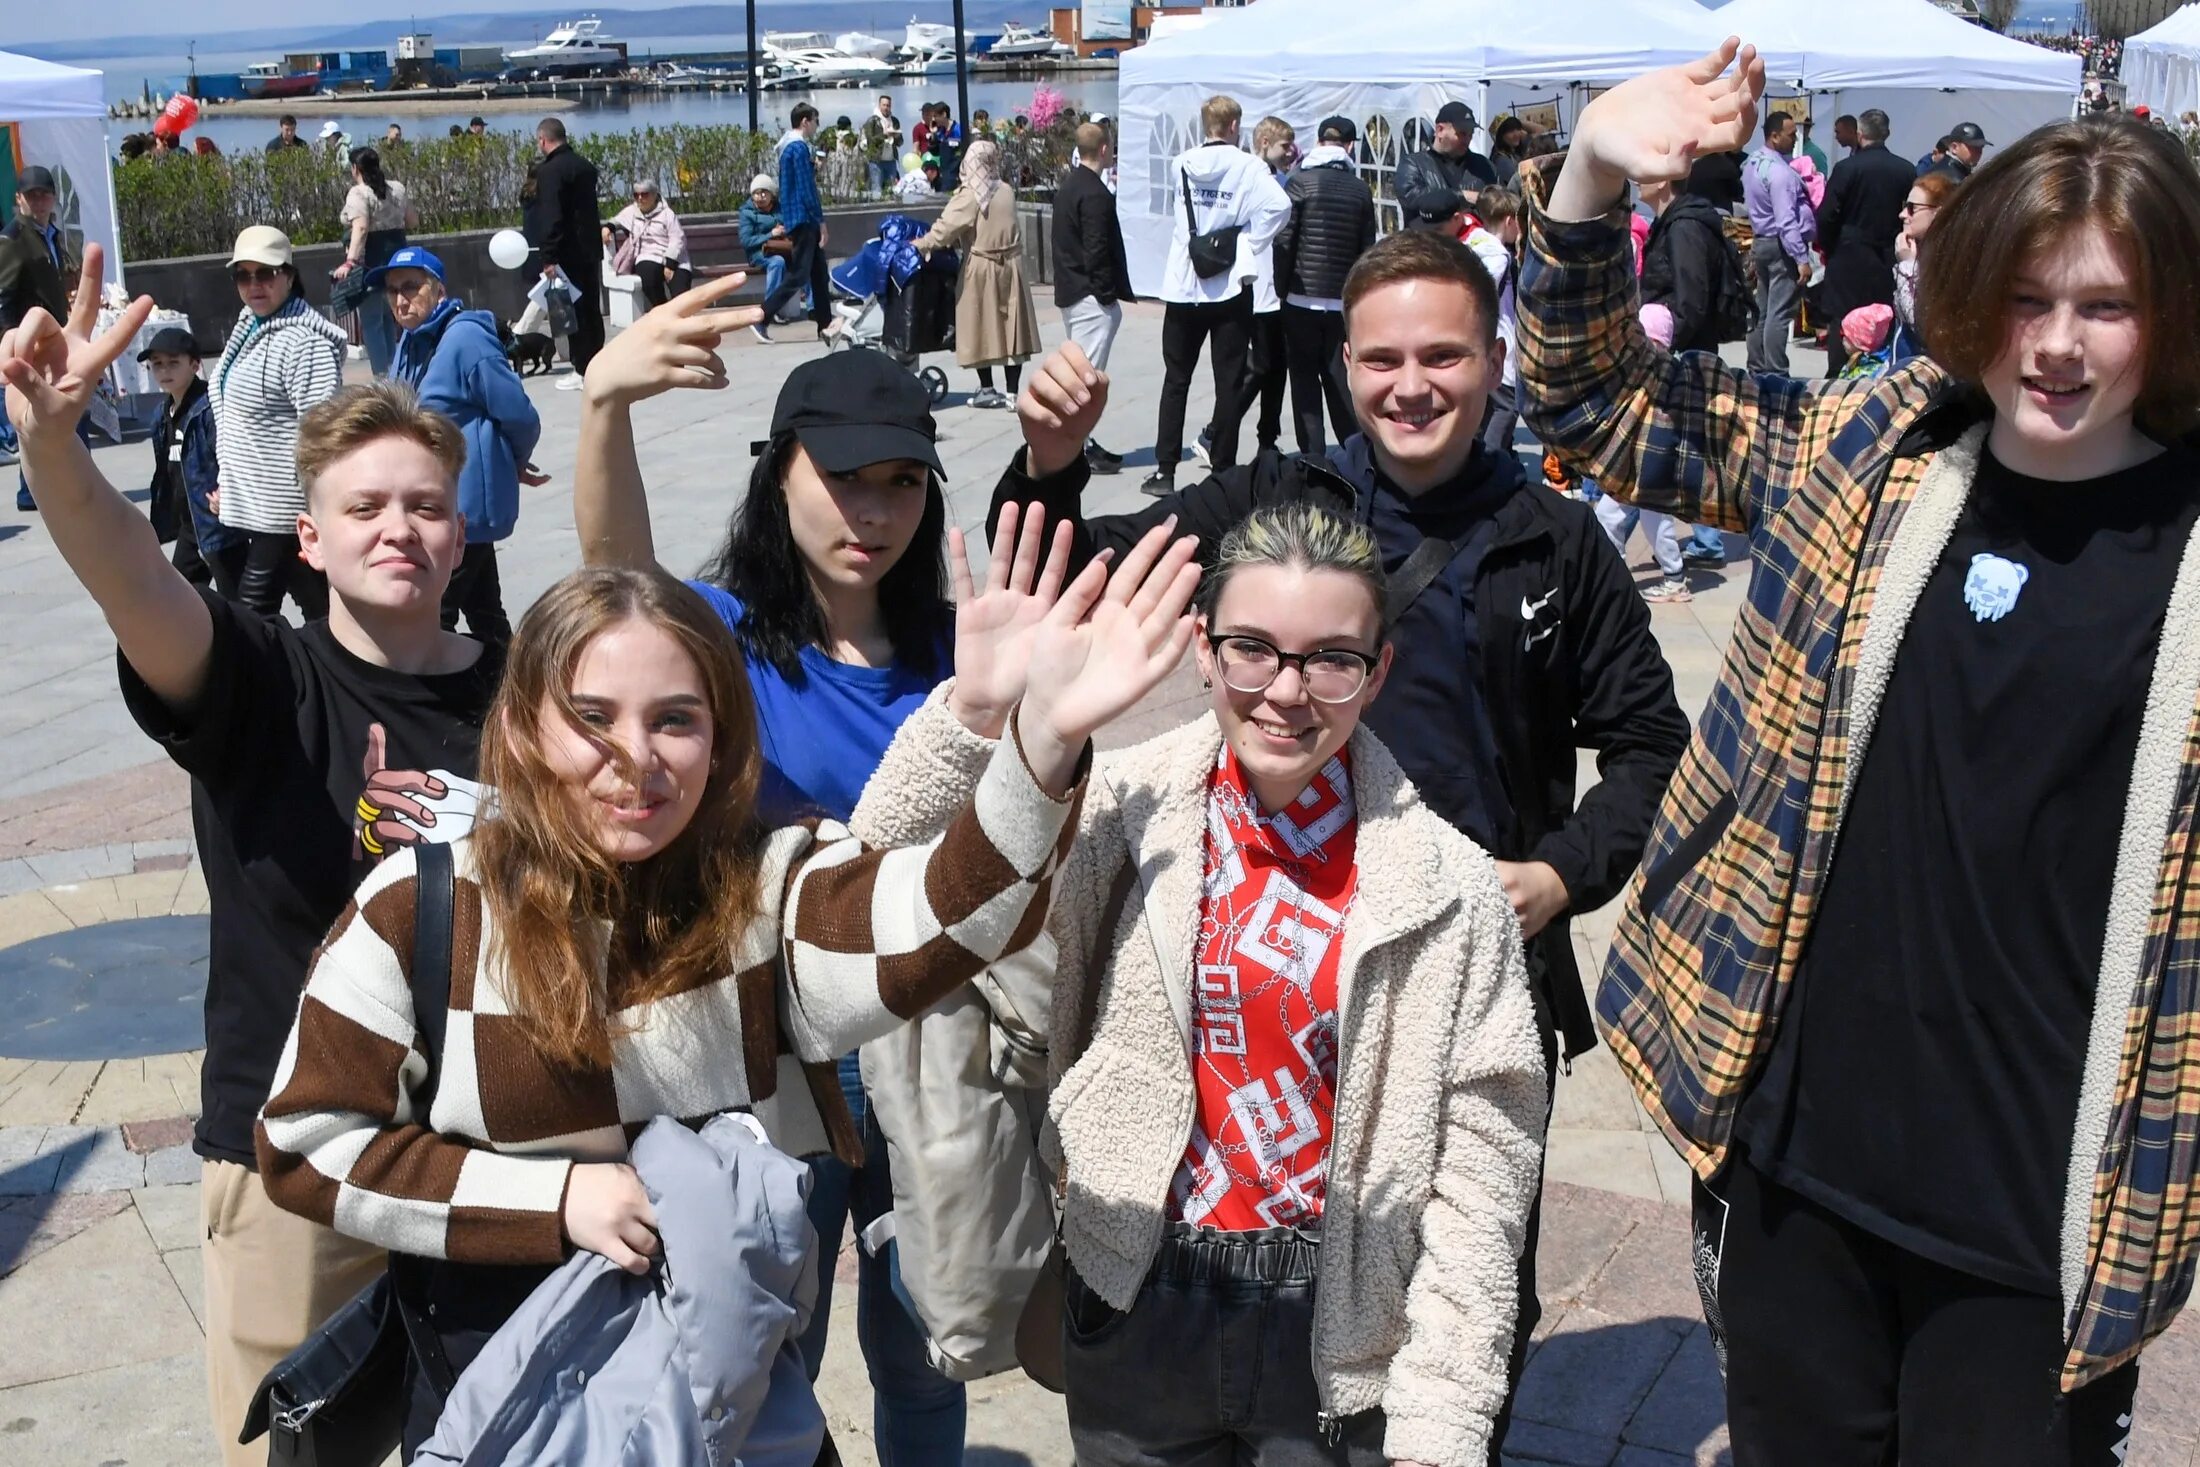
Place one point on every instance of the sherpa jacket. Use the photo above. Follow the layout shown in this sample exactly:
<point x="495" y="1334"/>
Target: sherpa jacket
<point x="271" y="372"/>
<point x="1438" y="1134"/>
<point x="1849" y="491"/>
<point x="848" y="943"/>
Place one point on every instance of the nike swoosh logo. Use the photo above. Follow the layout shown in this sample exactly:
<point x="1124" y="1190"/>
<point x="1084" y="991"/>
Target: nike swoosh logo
<point x="1544" y="635"/>
<point x="1529" y="610"/>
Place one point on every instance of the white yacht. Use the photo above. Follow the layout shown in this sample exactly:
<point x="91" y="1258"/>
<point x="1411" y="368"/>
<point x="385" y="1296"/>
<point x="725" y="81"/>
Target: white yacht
<point x="859" y="43"/>
<point x="925" y="35"/>
<point x="827" y="67"/>
<point x="928" y="61"/>
<point x="1019" y="43"/>
<point x="577" y="48"/>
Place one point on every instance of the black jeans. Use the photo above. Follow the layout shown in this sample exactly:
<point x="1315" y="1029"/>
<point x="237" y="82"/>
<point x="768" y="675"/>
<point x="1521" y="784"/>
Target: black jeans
<point x="1313" y="344"/>
<point x="221" y="569"/>
<point x="271" y="569"/>
<point x="1844" y="1350"/>
<point x="661" y="282"/>
<point x="805" y="268"/>
<point x="461" y="1305"/>
<point x="1184" y="330"/>
<point x="1267" y="373"/>
<point x="476" y="593"/>
<point x="1214" y="1364"/>
<point x="587" y="338"/>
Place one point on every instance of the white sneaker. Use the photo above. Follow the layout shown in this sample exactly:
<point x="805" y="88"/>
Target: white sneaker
<point x="571" y="382"/>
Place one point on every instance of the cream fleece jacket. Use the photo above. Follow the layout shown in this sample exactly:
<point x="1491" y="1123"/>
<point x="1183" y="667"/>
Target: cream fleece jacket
<point x="1438" y="1132"/>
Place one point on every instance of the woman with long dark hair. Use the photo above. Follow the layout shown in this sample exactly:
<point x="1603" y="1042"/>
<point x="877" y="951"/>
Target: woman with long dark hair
<point x="637" y="937"/>
<point x="833" y="580"/>
<point x="377" y="213"/>
<point x="1908" y="979"/>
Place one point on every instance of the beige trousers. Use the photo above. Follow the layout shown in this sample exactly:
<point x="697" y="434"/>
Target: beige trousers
<point x="271" y="1277"/>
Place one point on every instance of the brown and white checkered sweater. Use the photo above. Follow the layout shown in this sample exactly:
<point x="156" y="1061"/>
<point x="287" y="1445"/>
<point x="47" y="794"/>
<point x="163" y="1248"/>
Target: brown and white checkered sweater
<point x="851" y="942"/>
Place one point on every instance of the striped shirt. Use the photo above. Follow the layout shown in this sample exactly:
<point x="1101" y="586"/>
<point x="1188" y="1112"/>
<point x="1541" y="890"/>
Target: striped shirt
<point x="849" y="943"/>
<point x="271" y="371"/>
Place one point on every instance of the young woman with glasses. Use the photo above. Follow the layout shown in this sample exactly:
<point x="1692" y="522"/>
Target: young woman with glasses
<point x="1298" y="1097"/>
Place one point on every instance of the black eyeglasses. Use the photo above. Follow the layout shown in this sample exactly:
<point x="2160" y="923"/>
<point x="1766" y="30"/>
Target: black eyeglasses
<point x="247" y="275"/>
<point x="1249" y="664"/>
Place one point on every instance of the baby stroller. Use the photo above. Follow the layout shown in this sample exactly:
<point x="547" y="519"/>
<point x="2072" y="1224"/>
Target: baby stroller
<point x="892" y="299"/>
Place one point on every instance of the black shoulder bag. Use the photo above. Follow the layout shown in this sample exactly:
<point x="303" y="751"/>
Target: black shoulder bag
<point x="339" y="1399"/>
<point x="1212" y="252"/>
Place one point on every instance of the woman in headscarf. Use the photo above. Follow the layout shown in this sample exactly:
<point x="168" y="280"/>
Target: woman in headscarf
<point x="994" y="322"/>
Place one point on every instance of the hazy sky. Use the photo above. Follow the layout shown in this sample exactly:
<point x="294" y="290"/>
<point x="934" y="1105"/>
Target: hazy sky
<point x="29" y="22"/>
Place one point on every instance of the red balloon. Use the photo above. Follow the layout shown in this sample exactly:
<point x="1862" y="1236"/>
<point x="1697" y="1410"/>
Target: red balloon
<point x="180" y="113"/>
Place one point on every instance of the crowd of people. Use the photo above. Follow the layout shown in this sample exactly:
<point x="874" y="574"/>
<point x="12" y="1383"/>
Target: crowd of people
<point x="1291" y="983"/>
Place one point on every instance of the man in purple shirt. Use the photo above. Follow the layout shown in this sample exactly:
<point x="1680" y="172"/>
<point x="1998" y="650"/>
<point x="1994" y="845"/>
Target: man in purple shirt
<point x="1780" y="218"/>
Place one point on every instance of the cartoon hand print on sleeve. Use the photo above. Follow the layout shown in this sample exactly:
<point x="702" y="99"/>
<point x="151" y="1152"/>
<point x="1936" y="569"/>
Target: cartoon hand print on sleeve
<point x="388" y="802"/>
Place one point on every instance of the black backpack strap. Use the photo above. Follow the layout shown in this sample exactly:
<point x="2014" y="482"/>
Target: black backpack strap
<point x="1191" y="220"/>
<point x="1408" y="581"/>
<point x="435" y="898"/>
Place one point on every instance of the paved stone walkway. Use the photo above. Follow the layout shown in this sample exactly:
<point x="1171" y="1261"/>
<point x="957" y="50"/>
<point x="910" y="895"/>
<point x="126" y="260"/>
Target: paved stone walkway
<point x="99" y="1223"/>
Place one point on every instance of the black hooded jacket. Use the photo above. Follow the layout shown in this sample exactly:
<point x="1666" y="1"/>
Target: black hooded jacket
<point x="1559" y="656"/>
<point x="1682" y="264"/>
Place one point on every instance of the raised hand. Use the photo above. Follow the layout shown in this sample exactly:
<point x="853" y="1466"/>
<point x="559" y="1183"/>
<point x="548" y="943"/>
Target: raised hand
<point x="51" y="370"/>
<point x="1060" y="407"/>
<point x="675" y="345"/>
<point x="995" y="626"/>
<point x="1108" y="641"/>
<point x="1656" y="126"/>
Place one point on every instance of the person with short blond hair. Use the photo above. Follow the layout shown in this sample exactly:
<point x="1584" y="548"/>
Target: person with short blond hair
<point x="1907" y="978"/>
<point x="313" y="751"/>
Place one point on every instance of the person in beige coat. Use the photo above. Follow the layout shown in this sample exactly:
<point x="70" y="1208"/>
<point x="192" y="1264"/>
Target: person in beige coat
<point x="994" y="321"/>
<point x="1298" y="1101"/>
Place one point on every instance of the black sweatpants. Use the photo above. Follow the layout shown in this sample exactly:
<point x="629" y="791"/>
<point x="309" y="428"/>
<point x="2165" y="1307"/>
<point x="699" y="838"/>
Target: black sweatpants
<point x="477" y="593"/>
<point x="271" y="569"/>
<point x="587" y="337"/>
<point x="1225" y="328"/>
<point x="661" y="282"/>
<point x="1313" y="343"/>
<point x="219" y="569"/>
<point x="1843" y="1350"/>
<point x="1267" y="374"/>
<point x="1239" y="1307"/>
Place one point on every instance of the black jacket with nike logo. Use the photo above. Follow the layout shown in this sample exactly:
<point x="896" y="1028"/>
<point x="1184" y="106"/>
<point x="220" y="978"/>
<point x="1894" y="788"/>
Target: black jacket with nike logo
<point x="1560" y="653"/>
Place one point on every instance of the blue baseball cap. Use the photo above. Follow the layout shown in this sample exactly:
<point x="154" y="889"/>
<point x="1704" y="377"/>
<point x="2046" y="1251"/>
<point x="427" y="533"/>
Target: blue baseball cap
<point x="411" y="257"/>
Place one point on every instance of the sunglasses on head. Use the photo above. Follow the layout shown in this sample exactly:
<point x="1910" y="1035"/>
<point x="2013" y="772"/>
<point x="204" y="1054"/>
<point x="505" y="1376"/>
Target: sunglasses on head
<point x="250" y="275"/>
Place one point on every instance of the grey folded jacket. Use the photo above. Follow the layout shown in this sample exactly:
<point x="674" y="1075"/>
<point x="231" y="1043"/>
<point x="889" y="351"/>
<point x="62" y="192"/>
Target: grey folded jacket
<point x="695" y="1362"/>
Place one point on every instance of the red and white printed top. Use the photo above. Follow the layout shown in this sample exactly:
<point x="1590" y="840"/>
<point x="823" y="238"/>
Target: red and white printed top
<point x="1264" y="1002"/>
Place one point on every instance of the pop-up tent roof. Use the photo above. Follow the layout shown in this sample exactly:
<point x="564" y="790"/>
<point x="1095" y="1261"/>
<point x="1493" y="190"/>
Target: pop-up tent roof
<point x="2162" y="65"/>
<point x="1891" y="43"/>
<point x="31" y="89"/>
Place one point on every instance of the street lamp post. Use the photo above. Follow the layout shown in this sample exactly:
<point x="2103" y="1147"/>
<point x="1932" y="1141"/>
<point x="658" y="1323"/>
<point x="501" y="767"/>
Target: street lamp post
<point x="753" y="125"/>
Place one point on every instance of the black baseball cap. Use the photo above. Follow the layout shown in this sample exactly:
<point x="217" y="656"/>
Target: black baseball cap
<point x="854" y="409"/>
<point x="171" y="341"/>
<point x="1340" y="128"/>
<point x="1458" y="114"/>
<point x="34" y="178"/>
<point x="1969" y="132"/>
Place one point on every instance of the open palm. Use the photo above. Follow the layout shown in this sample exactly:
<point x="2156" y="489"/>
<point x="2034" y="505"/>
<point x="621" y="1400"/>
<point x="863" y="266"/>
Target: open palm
<point x="1105" y="646"/>
<point x="52" y="369"/>
<point x="996" y="625"/>
<point x="1656" y="126"/>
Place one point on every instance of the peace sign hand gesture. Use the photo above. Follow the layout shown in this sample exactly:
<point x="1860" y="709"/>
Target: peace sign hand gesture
<point x="1656" y="126"/>
<point x="675" y="345"/>
<point x="51" y="370"/>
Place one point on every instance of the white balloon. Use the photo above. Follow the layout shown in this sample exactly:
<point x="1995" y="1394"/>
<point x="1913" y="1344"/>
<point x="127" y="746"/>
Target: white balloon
<point x="508" y="247"/>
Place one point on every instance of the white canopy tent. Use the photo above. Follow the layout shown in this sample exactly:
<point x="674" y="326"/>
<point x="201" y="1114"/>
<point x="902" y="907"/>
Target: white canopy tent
<point x="56" y="116"/>
<point x="1388" y="68"/>
<point x="2162" y="66"/>
<point x="1925" y="68"/>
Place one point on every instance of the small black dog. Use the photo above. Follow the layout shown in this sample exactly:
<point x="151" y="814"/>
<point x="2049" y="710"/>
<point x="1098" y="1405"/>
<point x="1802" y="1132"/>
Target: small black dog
<point x="532" y="354"/>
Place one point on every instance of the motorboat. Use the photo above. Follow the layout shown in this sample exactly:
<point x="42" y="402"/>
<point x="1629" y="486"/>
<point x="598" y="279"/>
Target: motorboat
<point x="577" y="48"/>
<point x="274" y="79"/>
<point x="925" y="35"/>
<point x="929" y="61"/>
<point x="826" y="67"/>
<point x="1019" y="43"/>
<point x="858" y="43"/>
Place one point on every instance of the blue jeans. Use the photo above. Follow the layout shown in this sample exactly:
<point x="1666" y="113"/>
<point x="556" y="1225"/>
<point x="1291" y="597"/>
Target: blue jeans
<point x="378" y="330"/>
<point x="775" y="270"/>
<point x="918" y="1416"/>
<point x="1706" y="541"/>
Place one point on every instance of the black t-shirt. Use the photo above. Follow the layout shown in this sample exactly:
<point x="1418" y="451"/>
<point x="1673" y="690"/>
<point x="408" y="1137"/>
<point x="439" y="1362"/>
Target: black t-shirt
<point x="278" y="750"/>
<point x="1924" y="1080"/>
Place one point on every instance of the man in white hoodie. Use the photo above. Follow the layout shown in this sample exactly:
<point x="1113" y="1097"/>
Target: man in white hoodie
<point x="1221" y="189"/>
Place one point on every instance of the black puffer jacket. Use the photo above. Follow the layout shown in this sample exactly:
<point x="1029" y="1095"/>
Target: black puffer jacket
<point x="1682" y="265"/>
<point x="1427" y="182"/>
<point x="1332" y="223"/>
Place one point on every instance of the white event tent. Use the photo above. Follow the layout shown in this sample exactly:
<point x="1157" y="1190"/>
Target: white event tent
<point x="1387" y="67"/>
<point x="2162" y="66"/>
<point x="1924" y="67"/>
<point x="57" y="116"/>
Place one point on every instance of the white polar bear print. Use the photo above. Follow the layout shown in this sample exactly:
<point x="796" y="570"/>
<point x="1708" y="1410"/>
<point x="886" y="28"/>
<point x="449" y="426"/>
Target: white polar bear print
<point x="1990" y="590"/>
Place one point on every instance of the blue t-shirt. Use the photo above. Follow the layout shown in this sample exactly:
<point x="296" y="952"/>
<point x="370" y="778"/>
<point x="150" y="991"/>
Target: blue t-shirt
<point x="824" y="736"/>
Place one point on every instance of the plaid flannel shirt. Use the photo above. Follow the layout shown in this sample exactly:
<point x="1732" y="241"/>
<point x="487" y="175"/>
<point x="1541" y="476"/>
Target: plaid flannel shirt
<point x="1821" y="476"/>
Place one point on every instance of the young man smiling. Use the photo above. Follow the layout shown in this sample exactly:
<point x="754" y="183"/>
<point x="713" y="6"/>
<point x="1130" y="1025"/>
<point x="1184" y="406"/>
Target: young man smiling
<point x="311" y="752"/>
<point x="1519" y="634"/>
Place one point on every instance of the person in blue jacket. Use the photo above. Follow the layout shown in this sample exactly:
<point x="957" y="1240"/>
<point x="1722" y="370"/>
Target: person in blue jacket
<point x="186" y="471"/>
<point x="454" y="359"/>
<point x="833" y="577"/>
